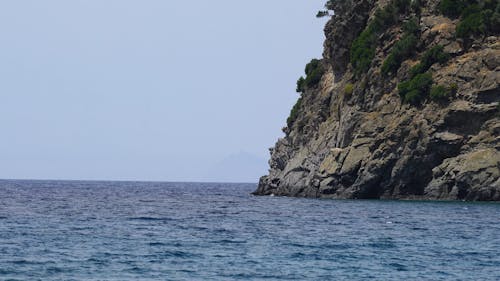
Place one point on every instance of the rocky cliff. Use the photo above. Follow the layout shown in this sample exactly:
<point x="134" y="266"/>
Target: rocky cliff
<point x="404" y="104"/>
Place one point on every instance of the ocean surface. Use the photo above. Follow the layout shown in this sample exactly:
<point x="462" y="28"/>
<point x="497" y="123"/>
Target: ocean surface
<point x="77" y="230"/>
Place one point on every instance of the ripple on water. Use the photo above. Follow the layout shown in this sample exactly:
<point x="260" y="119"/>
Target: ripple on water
<point x="153" y="231"/>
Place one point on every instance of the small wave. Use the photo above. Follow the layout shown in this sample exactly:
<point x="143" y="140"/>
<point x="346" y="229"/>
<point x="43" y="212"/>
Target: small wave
<point x="298" y="255"/>
<point x="25" y="262"/>
<point x="419" y="228"/>
<point x="149" y="219"/>
<point x="179" y="254"/>
<point x="157" y="244"/>
<point x="308" y="256"/>
<point x="228" y="241"/>
<point x="382" y="245"/>
<point x="53" y="269"/>
<point x="137" y="269"/>
<point x="96" y="261"/>
<point x="398" y="266"/>
<point x="5" y="272"/>
<point x="336" y="246"/>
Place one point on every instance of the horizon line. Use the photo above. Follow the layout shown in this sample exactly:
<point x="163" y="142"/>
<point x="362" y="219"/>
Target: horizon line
<point x="141" y="181"/>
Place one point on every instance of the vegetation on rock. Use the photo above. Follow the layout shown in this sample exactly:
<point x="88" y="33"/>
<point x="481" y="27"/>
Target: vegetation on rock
<point x="363" y="47"/>
<point x="300" y="85"/>
<point x="421" y="153"/>
<point x="328" y="7"/>
<point x="403" y="49"/>
<point x="440" y="92"/>
<point x="434" y="55"/>
<point x="314" y="71"/>
<point x="415" y="90"/>
<point x="321" y="14"/>
<point x="476" y="17"/>
<point x="348" y="89"/>
<point x="294" y="113"/>
<point x="452" y="8"/>
<point x="418" y="87"/>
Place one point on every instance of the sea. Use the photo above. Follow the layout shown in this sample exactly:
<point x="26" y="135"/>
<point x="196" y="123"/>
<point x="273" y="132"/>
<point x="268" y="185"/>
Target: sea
<point x="89" y="230"/>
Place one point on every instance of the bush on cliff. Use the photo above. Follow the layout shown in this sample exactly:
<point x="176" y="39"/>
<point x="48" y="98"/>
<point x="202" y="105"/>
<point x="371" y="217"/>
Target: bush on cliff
<point x="363" y="51"/>
<point x="403" y="49"/>
<point x="473" y="24"/>
<point x="348" y="89"/>
<point x="364" y="46"/>
<point x="294" y="113"/>
<point x="417" y="89"/>
<point x="314" y="71"/>
<point x="476" y="17"/>
<point x="300" y="85"/>
<point x="440" y="92"/>
<point x="434" y="55"/>
<point x="322" y="14"/>
<point x="452" y="8"/>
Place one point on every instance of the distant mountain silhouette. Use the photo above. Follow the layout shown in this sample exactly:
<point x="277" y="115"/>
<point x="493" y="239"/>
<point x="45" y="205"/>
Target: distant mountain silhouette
<point x="238" y="167"/>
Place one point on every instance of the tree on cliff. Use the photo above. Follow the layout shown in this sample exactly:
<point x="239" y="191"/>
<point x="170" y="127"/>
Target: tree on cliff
<point x="326" y="12"/>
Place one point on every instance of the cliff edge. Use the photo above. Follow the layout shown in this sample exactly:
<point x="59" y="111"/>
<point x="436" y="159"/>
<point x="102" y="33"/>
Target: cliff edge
<point x="404" y="104"/>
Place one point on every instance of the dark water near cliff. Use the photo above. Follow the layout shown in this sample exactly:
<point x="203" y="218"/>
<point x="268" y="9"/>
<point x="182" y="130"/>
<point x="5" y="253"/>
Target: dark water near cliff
<point x="60" y="230"/>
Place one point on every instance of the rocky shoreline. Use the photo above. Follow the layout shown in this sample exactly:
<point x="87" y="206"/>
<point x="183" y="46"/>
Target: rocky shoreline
<point x="360" y="131"/>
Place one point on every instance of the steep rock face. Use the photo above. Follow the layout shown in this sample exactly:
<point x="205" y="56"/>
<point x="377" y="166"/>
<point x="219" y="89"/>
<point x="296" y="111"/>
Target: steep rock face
<point x="354" y="137"/>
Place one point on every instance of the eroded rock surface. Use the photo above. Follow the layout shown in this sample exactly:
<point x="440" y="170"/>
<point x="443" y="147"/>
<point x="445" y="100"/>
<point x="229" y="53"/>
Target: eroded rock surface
<point x="369" y="144"/>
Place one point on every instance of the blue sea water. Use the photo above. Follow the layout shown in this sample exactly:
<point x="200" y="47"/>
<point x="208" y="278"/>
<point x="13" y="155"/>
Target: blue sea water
<point x="77" y="230"/>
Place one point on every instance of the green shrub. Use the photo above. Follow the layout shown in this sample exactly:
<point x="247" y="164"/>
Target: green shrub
<point x="311" y="66"/>
<point x="439" y="92"/>
<point x="477" y="17"/>
<point x="453" y="88"/>
<point x="321" y="14"/>
<point x="417" y="89"/>
<point x="329" y="5"/>
<point x="384" y="17"/>
<point x="411" y="27"/>
<point x="471" y="9"/>
<point x="391" y="64"/>
<point x="364" y="46"/>
<point x="314" y="71"/>
<point x="473" y="24"/>
<point x="314" y="78"/>
<point x="294" y="113"/>
<point x="402" y="50"/>
<point x="493" y="22"/>
<point x="348" y="89"/>
<point x="417" y="69"/>
<point x="363" y="50"/>
<point x="452" y="8"/>
<point x="434" y="55"/>
<point x="416" y="6"/>
<point x="402" y="6"/>
<point x="300" y="85"/>
<point x="413" y="97"/>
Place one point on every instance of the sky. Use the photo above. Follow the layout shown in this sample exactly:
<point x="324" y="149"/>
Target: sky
<point x="149" y="90"/>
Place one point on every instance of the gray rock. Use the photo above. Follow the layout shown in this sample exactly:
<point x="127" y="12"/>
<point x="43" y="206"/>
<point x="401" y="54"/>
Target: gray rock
<point x="367" y="144"/>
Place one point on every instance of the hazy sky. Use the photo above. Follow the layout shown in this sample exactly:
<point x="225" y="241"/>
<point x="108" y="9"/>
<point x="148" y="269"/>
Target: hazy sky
<point x="149" y="89"/>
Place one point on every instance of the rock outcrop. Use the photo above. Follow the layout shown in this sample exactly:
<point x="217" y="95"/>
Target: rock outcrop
<point x="354" y="137"/>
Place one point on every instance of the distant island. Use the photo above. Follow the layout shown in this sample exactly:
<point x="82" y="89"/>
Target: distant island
<point x="404" y="104"/>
